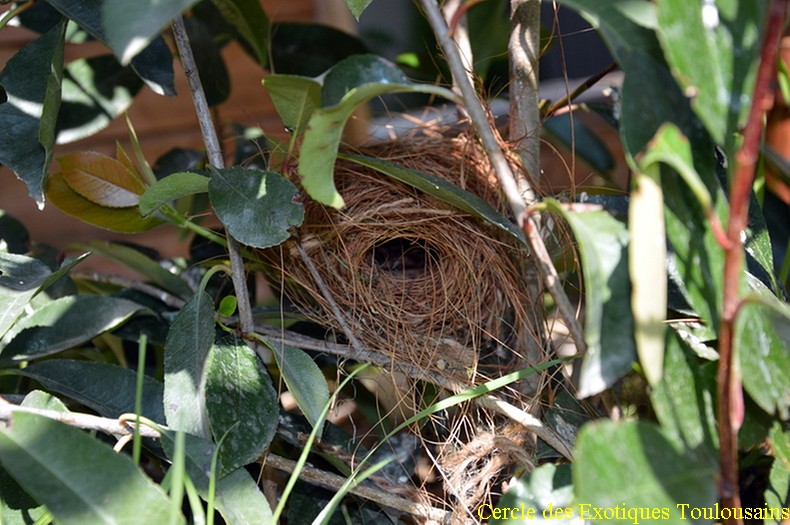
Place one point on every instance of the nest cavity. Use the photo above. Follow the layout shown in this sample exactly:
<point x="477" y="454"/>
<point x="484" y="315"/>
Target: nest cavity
<point x="414" y="277"/>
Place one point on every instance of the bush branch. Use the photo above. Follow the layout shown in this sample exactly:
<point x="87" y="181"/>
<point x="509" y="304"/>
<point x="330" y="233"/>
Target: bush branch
<point x="730" y="392"/>
<point x="216" y="160"/>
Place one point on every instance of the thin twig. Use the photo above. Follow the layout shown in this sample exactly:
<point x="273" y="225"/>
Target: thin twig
<point x="113" y="427"/>
<point x="581" y="88"/>
<point x="730" y="393"/>
<point x="341" y="319"/>
<point x="516" y="414"/>
<point x="332" y="481"/>
<point x="116" y="280"/>
<point x="215" y="158"/>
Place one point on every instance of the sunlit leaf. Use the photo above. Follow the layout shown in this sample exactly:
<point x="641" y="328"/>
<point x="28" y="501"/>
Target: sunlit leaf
<point x="539" y="497"/>
<point x="608" y="322"/>
<point x="357" y="6"/>
<point x="633" y="465"/>
<point x="304" y="381"/>
<point x="21" y="278"/>
<point x="170" y="188"/>
<point x="257" y="207"/>
<point x="101" y="179"/>
<point x="359" y="79"/>
<point x="65" y="323"/>
<point x="186" y="352"/>
<point x="79" y="479"/>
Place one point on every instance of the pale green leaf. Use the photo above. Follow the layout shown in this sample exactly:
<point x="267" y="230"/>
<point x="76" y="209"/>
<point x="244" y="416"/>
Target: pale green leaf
<point x="79" y="479"/>
<point x="170" y="188"/>
<point x="294" y="97"/>
<point x="304" y="381"/>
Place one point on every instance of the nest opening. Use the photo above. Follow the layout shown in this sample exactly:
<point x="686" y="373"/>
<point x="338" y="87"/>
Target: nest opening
<point x="405" y="257"/>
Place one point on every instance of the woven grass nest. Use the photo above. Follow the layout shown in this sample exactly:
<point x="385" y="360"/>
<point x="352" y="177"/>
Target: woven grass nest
<point x="415" y="278"/>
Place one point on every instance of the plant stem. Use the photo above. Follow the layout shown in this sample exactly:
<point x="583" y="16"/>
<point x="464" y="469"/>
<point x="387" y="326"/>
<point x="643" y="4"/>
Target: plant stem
<point x="730" y="392"/>
<point x="216" y="160"/>
<point x="524" y="121"/>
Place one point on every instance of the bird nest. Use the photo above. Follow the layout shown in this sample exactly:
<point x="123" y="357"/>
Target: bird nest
<point x="411" y="276"/>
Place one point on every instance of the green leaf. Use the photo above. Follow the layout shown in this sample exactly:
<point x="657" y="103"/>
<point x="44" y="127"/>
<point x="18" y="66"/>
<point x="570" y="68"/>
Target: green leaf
<point x="154" y="64"/>
<point x="142" y="264"/>
<point x="95" y="91"/>
<point x="237" y="496"/>
<point x="777" y="494"/>
<point x="31" y="80"/>
<point x="357" y="6"/>
<point x="358" y="79"/>
<point x="129" y="31"/>
<point x="241" y="400"/>
<point x="43" y="401"/>
<point x="684" y="400"/>
<point x="227" y="306"/>
<point x="14" y="237"/>
<point x="123" y="220"/>
<point x="170" y="188"/>
<point x="107" y="389"/>
<point x="602" y="242"/>
<point x="294" y="97"/>
<point x="441" y="189"/>
<point x="634" y="465"/>
<point x="250" y="20"/>
<point x="21" y="277"/>
<point x="713" y="60"/>
<point x="305" y="382"/>
<point x="647" y="255"/>
<point x="79" y="479"/>
<point x="310" y="49"/>
<point x="539" y="497"/>
<point x="762" y="330"/>
<point x="66" y="323"/>
<point x="186" y="352"/>
<point x="257" y="207"/>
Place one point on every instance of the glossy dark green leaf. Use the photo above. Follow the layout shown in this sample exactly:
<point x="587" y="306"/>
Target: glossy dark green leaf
<point x="762" y="332"/>
<point x="237" y="496"/>
<point x="66" y="323"/>
<point x="310" y="49"/>
<point x="441" y="189"/>
<point x="257" y="207"/>
<point x="144" y="265"/>
<point x="357" y="7"/>
<point x="95" y="91"/>
<point x="107" y="389"/>
<point x="170" y="188"/>
<point x="21" y="278"/>
<point x="186" y="352"/>
<point x="14" y="237"/>
<point x="294" y="97"/>
<point x="123" y="220"/>
<point x="608" y="322"/>
<point x="304" y="381"/>
<point x="539" y="497"/>
<point x="210" y="64"/>
<point x="240" y="400"/>
<point x="713" y="55"/>
<point x="684" y="402"/>
<point x="250" y="20"/>
<point x="129" y="31"/>
<point x="360" y="79"/>
<point x="633" y="465"/>
<point x="357" y="71"/>
<point x="31" y="80"/>
<point x="586" y="144"/>
<point x="79" y="479"/>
